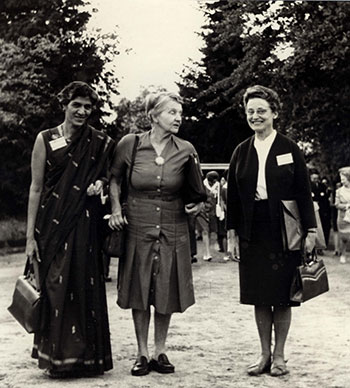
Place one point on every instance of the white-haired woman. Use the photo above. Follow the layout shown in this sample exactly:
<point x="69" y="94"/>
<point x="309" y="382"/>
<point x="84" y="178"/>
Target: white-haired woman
<point x="156" y="269"/>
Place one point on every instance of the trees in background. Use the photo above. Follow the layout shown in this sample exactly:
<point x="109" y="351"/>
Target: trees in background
<point x="44" y="45"/>
<point x="299" y="48"/>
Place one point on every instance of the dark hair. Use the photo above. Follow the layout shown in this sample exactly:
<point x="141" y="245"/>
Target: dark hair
<point x="155" y="101"/>
<point x="77" y="89"/>
<point x="212" y="176"/>
<point x="258" y="91"/>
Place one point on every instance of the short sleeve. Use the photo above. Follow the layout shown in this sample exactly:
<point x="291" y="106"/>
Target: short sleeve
<point x="122" y="155"/>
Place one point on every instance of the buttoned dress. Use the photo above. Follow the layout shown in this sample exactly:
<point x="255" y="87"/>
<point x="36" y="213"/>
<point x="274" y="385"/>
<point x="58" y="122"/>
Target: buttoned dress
<point x="156" y="268"/>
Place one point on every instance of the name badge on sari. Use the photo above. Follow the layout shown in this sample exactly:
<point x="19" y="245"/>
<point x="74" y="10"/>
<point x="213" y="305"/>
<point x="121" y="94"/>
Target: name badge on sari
<point x="58" y="143"/>
<point x="284" y="159"/>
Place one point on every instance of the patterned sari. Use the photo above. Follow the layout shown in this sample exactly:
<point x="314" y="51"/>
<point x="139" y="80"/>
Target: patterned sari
<point x="74" y="333"/>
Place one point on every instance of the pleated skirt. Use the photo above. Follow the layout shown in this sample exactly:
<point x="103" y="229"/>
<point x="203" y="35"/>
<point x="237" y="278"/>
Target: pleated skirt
<point x="156" y="268"/>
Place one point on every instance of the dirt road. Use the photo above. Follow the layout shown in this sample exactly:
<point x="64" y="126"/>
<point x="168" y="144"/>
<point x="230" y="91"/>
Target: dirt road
<point x="211" y="344"/>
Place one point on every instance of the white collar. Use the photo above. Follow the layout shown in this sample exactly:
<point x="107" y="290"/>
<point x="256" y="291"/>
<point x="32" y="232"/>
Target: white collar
<point x="268" y="140"/>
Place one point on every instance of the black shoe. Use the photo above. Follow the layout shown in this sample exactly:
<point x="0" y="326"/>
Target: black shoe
<point x="108" y="279"/>
<point x="194" y="259"/>
<point x="141" y="367"/>
<point x="163" y="365"/>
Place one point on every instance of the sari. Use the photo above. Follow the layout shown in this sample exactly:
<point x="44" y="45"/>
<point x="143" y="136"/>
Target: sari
<point x="74" y="333"/>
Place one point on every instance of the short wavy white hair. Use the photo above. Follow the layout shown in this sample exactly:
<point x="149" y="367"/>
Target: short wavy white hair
<point x="155" y="102"/>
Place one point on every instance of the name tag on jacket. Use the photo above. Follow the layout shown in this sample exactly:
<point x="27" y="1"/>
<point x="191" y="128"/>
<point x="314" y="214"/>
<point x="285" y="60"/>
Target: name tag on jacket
<point x="58" y="143"/>
<point x="284" y="159"/>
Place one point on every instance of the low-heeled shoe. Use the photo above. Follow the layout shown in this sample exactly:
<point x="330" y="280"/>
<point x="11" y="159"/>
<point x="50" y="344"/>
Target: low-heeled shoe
<point x="162" y="365"/>
<point x="141" y="367"/>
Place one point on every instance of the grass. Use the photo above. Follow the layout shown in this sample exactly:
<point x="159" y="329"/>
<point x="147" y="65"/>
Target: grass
<point x="12" y="229"/>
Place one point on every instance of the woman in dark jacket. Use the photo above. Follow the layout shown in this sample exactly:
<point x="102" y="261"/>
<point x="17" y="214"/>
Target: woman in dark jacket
<point x="265" y="169"/>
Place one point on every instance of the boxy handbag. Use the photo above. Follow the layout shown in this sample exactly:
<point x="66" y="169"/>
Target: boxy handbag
<point x="27" y="299"/>
<point x="292" y="229"/>
<point x="114" y="242"/>
<point x="193" y="190"/>
<point x="310" y="280"/>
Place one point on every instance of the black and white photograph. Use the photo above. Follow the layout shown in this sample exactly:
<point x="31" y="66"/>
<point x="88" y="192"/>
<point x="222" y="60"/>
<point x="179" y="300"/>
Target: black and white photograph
<point x="174" y="194"/>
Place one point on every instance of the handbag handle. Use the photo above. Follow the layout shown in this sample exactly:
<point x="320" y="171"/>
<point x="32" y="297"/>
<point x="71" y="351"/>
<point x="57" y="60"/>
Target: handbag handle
<point x="35" y="265"/>
<point x="133" y="155"/>
<point x="312" y="256"/>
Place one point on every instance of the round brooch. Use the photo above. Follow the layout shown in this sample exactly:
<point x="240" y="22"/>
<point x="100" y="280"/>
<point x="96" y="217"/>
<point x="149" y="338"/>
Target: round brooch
<point x="159" y="160"/>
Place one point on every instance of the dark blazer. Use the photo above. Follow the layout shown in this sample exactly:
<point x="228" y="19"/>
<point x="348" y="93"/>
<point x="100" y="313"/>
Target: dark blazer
<point x="286" y="179"/>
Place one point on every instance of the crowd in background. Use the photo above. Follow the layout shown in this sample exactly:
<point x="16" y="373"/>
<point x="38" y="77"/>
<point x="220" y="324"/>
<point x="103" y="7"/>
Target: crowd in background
<point x="209" y="225"/>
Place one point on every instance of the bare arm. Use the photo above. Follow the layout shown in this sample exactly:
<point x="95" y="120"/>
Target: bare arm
<point x="36" y="187"/>
<point x="116" y="220"/>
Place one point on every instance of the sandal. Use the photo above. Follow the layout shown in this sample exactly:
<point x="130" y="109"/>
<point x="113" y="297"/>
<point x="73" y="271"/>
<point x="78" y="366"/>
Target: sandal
<point x="278" y="369"/>
<point x="259" y="368"/>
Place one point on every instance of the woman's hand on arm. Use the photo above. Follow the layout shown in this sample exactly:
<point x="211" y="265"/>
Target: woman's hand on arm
<point x="36" y="187"/>
<point x="117" y="220"/>
<point x="233" y="245"/>
<point x="193" y="208"/>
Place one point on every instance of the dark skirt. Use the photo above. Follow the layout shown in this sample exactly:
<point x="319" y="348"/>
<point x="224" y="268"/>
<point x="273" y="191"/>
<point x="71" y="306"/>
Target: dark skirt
<point x="265" y="271"/>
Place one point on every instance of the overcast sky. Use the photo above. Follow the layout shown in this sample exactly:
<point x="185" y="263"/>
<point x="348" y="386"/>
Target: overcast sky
<point x="161" y="35"/>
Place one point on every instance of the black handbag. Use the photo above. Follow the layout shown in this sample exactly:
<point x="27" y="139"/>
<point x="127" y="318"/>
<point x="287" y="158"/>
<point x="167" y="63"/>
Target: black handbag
<point x="114" y="242"/>
<point x="27" y="299"/>
<point x="193" y="190"/>
<point x="310" y="280"/>
<point x="292" y="229"/>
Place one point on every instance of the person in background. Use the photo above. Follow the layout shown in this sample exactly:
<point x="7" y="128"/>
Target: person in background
<point x="203" y="225"/>
<point x="156" y="269"/>
<point x="69" y="170"/>
<point x="334" y="211"/>
<point x="342" y="203"/>
<point x="212" y="183"/>
<point x="221" y="215"/>
<point x="265" y="169"/>
<point x="321" y="195"/>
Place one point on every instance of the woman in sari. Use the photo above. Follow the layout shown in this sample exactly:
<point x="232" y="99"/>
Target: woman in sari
<point x="69" y="164"/>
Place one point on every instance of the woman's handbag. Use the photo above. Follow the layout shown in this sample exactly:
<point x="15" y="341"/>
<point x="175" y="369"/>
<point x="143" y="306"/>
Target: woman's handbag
<point x="114" y="243"/>
<point x="27" y="300"/>
<point x="292" y="229"/>
<point x="310" y="280"/>
<point x="193" y="190"/>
